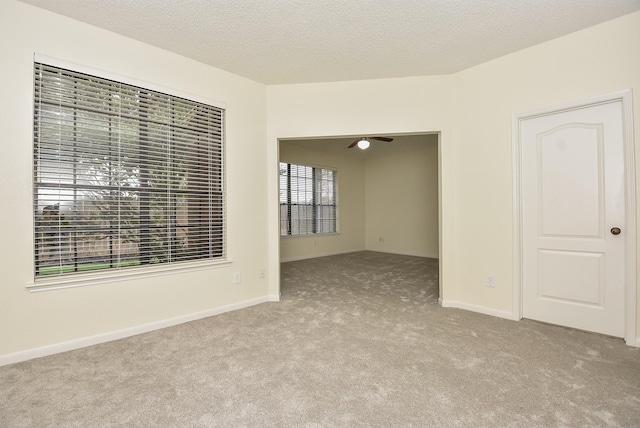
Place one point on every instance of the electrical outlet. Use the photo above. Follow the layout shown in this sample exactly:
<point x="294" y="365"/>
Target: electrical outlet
<point x="262" y="274"/>
<point x="491" y="280"/>
<point x="237" y="277"/>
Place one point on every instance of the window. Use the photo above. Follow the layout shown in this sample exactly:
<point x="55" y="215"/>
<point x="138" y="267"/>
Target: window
<point x="124" y="177"/>
<point x="307" y="200"/>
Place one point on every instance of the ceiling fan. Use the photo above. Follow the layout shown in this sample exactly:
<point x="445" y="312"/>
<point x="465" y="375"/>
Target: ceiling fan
<point x="363" y="143"/>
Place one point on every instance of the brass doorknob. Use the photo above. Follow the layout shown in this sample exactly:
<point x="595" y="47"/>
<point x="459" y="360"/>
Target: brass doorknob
<point x="615" y="231"/>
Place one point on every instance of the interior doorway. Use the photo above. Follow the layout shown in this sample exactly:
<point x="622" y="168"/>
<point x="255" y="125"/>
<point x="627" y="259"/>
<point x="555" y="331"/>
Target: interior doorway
<point x="388" y="197"/>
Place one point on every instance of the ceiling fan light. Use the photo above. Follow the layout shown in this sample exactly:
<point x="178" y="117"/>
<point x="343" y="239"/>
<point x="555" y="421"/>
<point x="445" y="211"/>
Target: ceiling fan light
<point x="363" y="144"/>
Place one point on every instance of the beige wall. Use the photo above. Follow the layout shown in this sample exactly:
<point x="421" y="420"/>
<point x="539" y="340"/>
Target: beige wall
<point x="31" y="320"/>
<point x="402" y="200"/>
<point x="350" y="190"/>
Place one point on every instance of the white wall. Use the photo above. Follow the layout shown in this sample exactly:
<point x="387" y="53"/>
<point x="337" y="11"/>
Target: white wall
<point x="30" y="320"/>
<point x="351" y="197"/>
<point x="402" y="200"/>
<point x="473" y="109"/>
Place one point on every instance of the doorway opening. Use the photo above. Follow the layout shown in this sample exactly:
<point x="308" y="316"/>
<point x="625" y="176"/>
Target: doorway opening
<point x="387" y="196"/>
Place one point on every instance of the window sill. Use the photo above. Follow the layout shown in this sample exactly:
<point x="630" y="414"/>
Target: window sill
<point x="87" y="279"/>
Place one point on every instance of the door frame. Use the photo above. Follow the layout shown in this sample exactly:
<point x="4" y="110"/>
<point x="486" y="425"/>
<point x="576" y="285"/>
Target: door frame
<point x="625" y="98"/>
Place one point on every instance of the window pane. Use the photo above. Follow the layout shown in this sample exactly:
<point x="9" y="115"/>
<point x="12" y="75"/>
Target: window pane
<point x="307" y="200"/>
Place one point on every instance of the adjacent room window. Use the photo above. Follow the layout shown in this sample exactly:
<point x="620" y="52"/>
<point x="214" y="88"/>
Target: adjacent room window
<point x="307" y="200"/>
<point x="124" y="177"/>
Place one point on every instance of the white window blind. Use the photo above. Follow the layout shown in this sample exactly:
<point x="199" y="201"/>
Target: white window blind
<point x="307" y="200"/>
<point x="124" y="176"/>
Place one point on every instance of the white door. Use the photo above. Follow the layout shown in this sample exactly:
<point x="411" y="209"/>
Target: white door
<point x="573" y="218"/>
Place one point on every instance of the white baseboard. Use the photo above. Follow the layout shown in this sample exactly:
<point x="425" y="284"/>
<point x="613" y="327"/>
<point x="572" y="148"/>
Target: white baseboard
<point x="316" y="255"/>
<point x="403" y="253"/>
<point x="127" y="332"/>
<point x="335" y="253"/>
<point x="475" y="308"/>
<point x="273" y="298"/>
<point x="502" y="314"/>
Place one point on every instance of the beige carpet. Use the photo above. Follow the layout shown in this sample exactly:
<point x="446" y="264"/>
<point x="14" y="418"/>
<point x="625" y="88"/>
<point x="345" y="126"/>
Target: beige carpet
<point x="358" y="340"/>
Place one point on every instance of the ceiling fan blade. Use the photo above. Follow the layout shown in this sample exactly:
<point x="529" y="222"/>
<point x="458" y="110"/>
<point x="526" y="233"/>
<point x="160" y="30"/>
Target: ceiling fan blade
<point x="370" y="138"/>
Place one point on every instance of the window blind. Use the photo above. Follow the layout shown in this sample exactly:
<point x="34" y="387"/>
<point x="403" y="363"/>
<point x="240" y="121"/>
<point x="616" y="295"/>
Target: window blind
<point x="124" y="177"/>
<point x="307" y="200"/>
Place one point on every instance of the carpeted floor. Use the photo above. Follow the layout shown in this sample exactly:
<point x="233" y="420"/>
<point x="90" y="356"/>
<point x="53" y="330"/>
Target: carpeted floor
<point x="357" y="341"/>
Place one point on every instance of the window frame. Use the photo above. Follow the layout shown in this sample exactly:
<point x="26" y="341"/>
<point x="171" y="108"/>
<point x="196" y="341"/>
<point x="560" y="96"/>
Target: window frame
<point x="315" y="169"/>
<point x="55" y="281"/>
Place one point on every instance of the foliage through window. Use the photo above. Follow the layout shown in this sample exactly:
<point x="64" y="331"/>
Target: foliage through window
<point x="123" y="176"/>
<point x="307" y="200"/>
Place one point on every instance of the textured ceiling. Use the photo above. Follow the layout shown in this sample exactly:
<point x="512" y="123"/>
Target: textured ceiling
<point x="298" y="41"/>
